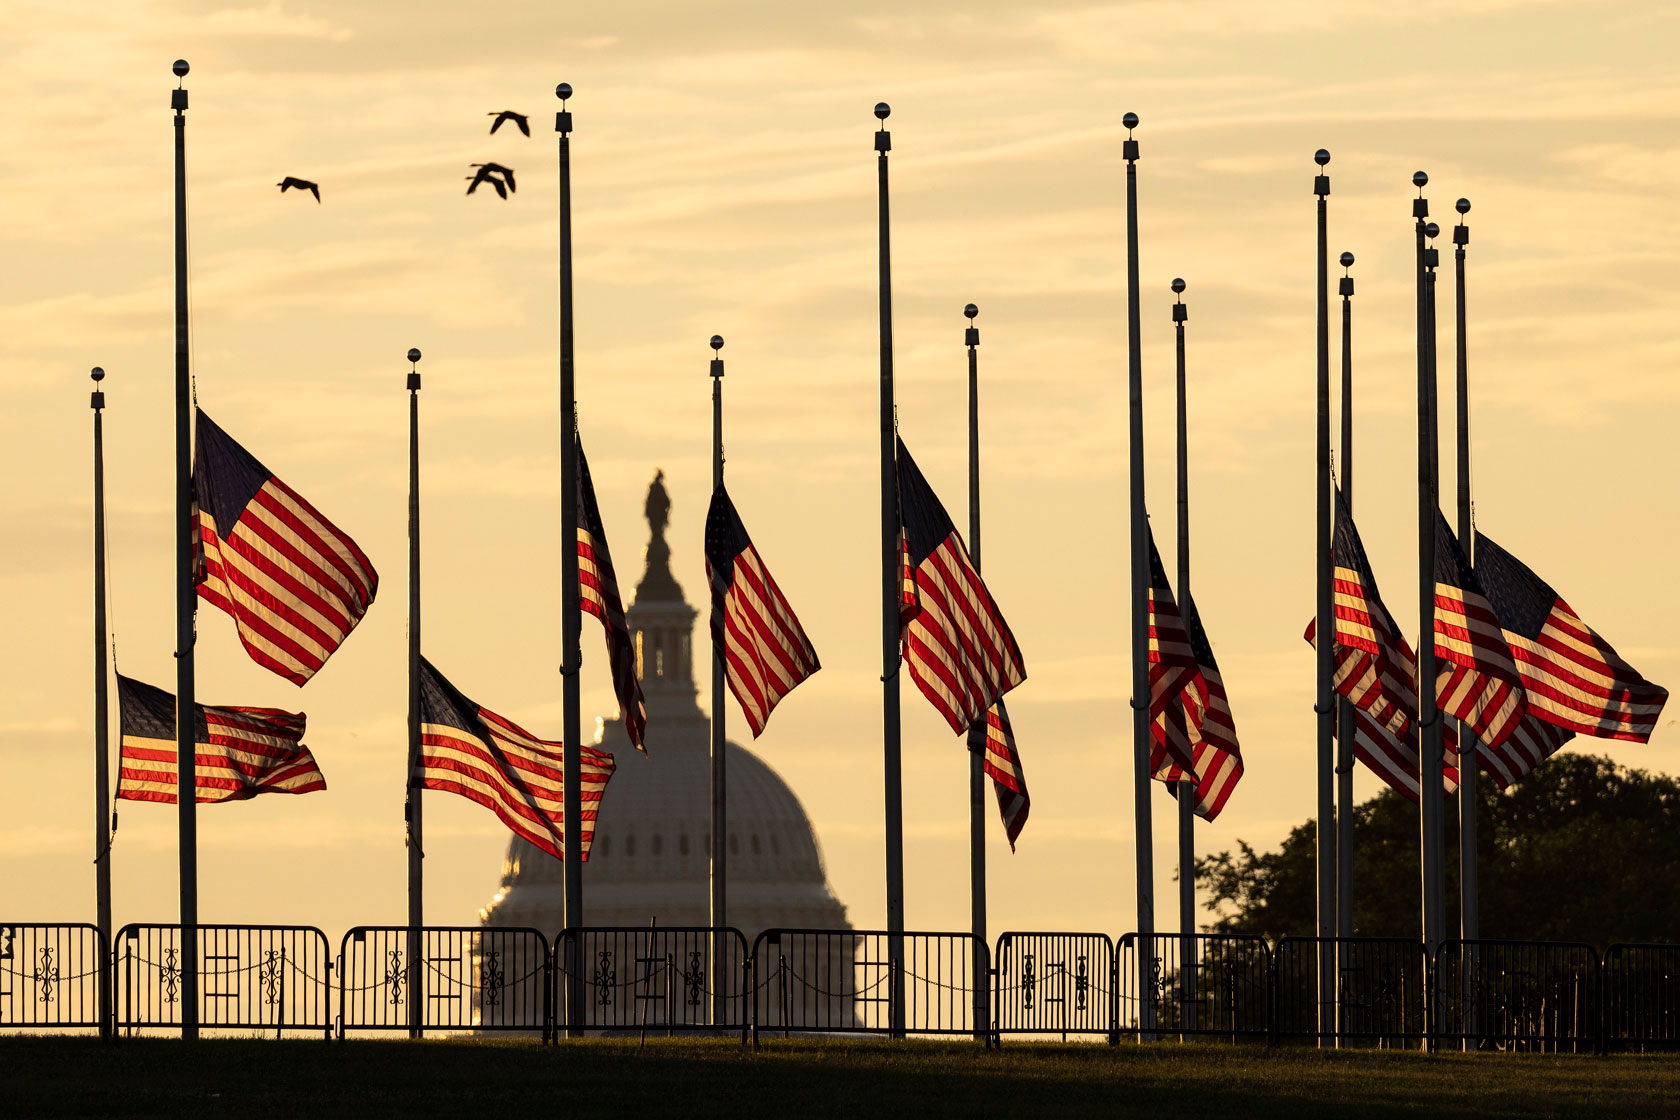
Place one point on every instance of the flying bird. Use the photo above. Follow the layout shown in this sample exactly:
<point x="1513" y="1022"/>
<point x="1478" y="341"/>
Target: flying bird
<point x="300" y="184"/>
<point x="509" y="115"/>
<point x="487" y="173"/>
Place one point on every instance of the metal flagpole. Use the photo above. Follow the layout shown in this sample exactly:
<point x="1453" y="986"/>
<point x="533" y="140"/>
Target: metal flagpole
<point x="416" y="846"/>
<point x="101" y="709"/>
<point x="571" y="620"/>
<point x="1344" y="706"/>
<point x="1469" y="876"/>
<point x="1325" y="629"/>
<point x="891" y="579"/>
<point x="186" y="592"/>
<point x="1429" y="724"/>
<point x="1186" y="788"/>
<point x="1141" y="776"/>
<point x="977" y="732"/>
<point x="720" y="804"/>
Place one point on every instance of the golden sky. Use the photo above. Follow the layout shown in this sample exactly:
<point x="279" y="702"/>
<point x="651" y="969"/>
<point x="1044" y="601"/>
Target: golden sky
<point x="724" y="182"/>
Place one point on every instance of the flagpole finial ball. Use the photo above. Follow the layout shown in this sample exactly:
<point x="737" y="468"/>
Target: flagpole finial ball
<point x="1463" y="206"/>
<point x="1432" y="230"/>
<point x="1420" y="179"/>
<point x="413" y="354"/>
<point x="180" y="68"/>
<point x="717" y="342"/>
<point x="563" y="90"/>
<point x="882" y="110"/>
<point x="1178" y="285"/>
<point x="970" y="311"/>
<point x="98" y="373"/>
<point x="1347" y="260"/>
<point x="1322" y="156"/>
<point x="1130" y="120"/>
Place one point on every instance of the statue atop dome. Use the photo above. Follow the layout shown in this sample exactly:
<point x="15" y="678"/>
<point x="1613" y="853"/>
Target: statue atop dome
<point x="658" y="507"/>
<point x="658" y="584"/>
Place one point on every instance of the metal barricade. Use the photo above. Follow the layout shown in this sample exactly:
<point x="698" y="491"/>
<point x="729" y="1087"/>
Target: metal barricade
<point x="1641" y="997"/>
<point x="847" y="981"/>
<point x="1054" y="984"/>
<point x="665" y="978"/>
<point x="1223" y="991"/>
<point x="249" y="978"/>
<point x="50" y="975"/>
<point x="1382" y="989"/>
<point x="469" y="978"/>
<point x="1519" y="995"/>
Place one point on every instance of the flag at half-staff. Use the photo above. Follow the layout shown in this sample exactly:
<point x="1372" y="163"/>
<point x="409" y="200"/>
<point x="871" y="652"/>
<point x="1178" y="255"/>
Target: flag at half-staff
<point x="469" y="750"/>
<point x="598" y="595"/>
<point x="959" y="649"/>
<point x="240" y="753"/>
<point x="1216" y="759"/>
<point x="1178" y="693"/>
<point x="1573" y="678"/>
<point x="765" y="651"/>
<point x="1002" y="763"/>
<point x="294" y="584"/>
<point x="1476" y="676"/>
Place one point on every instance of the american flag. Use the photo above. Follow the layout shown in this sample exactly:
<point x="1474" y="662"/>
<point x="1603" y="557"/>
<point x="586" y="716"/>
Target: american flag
<point x="959" y="649"/>
<point x="240" y="752"/>
<point x="1476" y="678"/>
<point x="1573" y="677"/>
<point x="765" y="650"/>
<point x="1216" y="759"/>
<point x="294" y="584"/>
<point x="1002" y="762"/>
<point x="1178" y="693"/>
<point x="1531" y="742"/>
<point x="472" y="751"/>
<point x="598" y="594"/>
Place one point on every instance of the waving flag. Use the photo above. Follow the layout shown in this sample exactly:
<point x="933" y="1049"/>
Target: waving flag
<point x="959" y="649"/>
<point x="1573" y="677"/>
<point x="598" y="594"/>
<point x="1530" y="743"/>
<point x="294" y="584"/>
<point x="1178" y="693"/>
<point x="472" y="751"/>
<point x="1476" y="677"/>
<point x="240" y="752"/>
<point x="765" y="651"/>
<point x="1002" y="762"/>
<point x="1216" y="760"/>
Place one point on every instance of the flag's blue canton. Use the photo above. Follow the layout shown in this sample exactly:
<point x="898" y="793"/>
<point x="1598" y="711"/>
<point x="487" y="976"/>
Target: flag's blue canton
<point x="726" y="537"/>
<point x="1522" y="600"/>
<point x="225" y="475"/>
<point x="926" y="524"/>
<point x="149" y="712"/>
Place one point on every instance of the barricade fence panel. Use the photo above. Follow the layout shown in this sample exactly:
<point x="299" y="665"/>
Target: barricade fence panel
<point x="263" y="978"/>
<point x="852" y="981"/>
<point x="1381" y="992"/>
<point x="1518" y="995"/>
<point x="1641" y="996"/>
<point x="636" y="978"/>
<point x="50" y="975"/>
<point x="1204" y="985"/>
<point x="445" y="978"/>
<point x="1054" y="984"/>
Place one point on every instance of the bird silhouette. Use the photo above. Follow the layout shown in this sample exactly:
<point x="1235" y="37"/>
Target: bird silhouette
<point x="487" y="173"/>
<point x="509" y="115"/>
<point x="300" y="184"/>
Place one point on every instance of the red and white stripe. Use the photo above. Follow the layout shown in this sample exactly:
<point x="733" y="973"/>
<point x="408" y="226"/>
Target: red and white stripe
<point x="765" y="650"/>
<point x="248" y="751"/>
<point x="598" y="595"/>
<point x="515" y="775"/>
<point x="1574" y="679"/>
<point x="956" y="643"/>
<point x="1002" y="763"/>
<point x="1530" y="743"/>
<point x="1476" y="679"/>
<point x="1216" y="760"/>
<point x="294" y="584"/>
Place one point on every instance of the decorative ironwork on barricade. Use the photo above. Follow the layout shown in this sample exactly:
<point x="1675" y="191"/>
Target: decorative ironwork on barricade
<point x="824" y="981"/>
<point x="656" y="978"/>
<point x="1641" y="997"/>
<point x="1224" y="992"/>
<point x="1054" y="984"/>
<point x="267" y="978"/>
<point x="1519" y="995"/>
<point x="1381" y="992"/>
<point x="50" y="974"/>
<point x="473" y="978"/>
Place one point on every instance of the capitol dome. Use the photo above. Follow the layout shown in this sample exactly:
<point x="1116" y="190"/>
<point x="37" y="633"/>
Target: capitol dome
<point x="649" y="861"/>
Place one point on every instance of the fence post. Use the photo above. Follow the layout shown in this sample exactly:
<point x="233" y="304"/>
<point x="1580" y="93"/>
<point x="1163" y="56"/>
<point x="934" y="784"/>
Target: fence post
<point x="1272" y="996"/>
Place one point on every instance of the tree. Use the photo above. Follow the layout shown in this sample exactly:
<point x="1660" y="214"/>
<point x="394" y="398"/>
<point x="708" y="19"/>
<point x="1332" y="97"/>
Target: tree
<point x="1580" y="850"/>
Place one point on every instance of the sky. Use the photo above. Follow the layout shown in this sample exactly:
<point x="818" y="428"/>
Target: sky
<point x="724" y="182"/>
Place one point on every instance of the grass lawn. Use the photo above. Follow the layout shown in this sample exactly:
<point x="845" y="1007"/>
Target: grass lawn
<point x="43" y="1076"/>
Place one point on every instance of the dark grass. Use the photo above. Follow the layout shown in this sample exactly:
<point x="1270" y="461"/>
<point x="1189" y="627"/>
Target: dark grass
<point x="363" y="1078"/>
